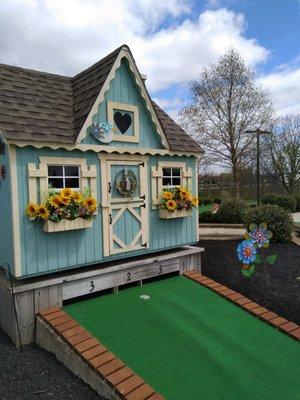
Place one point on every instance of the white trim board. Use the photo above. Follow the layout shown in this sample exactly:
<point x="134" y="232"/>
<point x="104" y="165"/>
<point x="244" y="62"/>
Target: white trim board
<point x="15" y="210"/>
<point x="102" y="148"/>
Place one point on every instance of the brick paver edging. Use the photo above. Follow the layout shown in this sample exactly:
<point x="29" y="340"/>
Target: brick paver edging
<point x="111" y="369"/>
<point x="288" y="327"/>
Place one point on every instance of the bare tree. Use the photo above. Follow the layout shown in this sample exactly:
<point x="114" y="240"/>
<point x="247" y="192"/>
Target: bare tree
<point x="283" y="148"/>
<point x="225" y="102"/>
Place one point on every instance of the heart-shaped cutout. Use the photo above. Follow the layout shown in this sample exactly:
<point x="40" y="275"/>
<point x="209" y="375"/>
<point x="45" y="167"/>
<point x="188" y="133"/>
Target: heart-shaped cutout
<point x="123" y="122"/>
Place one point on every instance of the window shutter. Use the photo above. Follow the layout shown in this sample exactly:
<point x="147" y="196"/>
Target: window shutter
<point x="156" y="184"/>
<point x="33" y="173"/>
<point x="187" y="177"/>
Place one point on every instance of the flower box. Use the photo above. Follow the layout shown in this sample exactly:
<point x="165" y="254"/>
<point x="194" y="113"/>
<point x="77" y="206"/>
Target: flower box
<point x="67" y="225"/>
<point x="165" y="214"/>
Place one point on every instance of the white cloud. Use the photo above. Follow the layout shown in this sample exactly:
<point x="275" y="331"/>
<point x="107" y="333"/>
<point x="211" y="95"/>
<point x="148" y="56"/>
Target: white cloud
<point x="169" y="43"/>
<point x="177" y="55"/>
<point x="284" y="86"/>
<point x="67" y="36"/>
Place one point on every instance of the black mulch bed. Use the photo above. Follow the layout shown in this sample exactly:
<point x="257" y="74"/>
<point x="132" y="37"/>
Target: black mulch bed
<point x="282" y="296"/>
<point x="37" y="375"/>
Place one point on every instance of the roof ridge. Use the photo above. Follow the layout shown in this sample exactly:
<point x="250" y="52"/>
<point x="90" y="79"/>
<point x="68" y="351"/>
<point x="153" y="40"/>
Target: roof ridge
<point x="96" y="64"/>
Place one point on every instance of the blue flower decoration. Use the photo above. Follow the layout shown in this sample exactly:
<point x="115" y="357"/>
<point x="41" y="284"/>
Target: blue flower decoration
<point x="259" y="235"/>
<point x="246" y="252"/>
<point x="106" y="126"/>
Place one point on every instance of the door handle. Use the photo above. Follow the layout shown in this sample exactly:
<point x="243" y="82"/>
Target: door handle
<point x="109" y="187"/>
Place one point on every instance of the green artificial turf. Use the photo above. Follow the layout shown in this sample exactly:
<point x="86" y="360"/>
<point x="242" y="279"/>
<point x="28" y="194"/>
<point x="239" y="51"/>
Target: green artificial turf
<point x="188" y="343"/>
<point x="204" y="208"/>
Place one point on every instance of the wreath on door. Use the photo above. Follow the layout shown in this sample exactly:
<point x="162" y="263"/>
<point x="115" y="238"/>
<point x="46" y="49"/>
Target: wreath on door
<point x="126" y="183"/>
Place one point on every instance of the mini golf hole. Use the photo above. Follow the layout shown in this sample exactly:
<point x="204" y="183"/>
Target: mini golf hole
<point x="145" y="297"/>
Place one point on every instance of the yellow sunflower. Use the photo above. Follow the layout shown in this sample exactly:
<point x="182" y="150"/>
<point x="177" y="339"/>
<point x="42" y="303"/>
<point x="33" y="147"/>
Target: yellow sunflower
<point x="171" y="205"/>
<point x="31" y="210"/>
<point x="167" y="195"/>
<point x="66" y="192"/>
<point x="65" y="200"/>
<point x="187" y="196"/>
<point x="90" y="203"/>
<point x="43" y="212"/>
<point x="55" y="201"/>
<point x="182" y="189"/>
<point x="195" y="201"/>
<point x="76" y="196"/>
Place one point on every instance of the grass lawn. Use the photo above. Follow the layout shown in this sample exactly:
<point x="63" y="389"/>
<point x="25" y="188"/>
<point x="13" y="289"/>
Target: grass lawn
<point x="188" y="343"/>
<point x="204" y="208"/>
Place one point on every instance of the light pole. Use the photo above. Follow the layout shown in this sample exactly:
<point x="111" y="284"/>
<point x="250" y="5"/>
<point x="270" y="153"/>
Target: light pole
<point x="258" y="133"/>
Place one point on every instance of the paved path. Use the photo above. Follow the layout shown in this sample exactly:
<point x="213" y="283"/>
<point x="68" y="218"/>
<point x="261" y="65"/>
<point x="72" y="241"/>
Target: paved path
<point x="296" y="217"/>
<point x="221" y="232"/>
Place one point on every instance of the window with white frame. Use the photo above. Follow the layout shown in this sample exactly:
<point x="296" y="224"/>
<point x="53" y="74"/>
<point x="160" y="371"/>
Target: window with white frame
<point x="62" y="176"/>
<point x="171" y="177"/>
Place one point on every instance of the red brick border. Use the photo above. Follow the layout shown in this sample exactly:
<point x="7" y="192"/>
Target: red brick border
<point x="112" y="370"/>
<point x="287" y="327"/>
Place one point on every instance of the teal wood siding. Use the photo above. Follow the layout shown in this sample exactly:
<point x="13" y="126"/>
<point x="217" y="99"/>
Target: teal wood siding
<point x="43" y="252"/>
<point x="123" y="89"/>
<point x="6" y="232"/>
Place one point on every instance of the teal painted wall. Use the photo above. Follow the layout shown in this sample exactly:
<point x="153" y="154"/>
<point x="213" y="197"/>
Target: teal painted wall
<point x="43" y="252"/>
<point x="6" y="236"/>
<point x="123" y="89"/>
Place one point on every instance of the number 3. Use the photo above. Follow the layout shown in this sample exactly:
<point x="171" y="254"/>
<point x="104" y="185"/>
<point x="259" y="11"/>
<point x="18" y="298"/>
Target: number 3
<point x="92" y="286"/>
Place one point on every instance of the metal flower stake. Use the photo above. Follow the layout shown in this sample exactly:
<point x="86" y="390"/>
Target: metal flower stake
<point x="250" y="251"/>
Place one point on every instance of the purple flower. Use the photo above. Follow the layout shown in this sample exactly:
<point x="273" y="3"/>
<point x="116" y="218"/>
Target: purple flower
<point x="246" y="252"/>
<point x="259" y="235"/>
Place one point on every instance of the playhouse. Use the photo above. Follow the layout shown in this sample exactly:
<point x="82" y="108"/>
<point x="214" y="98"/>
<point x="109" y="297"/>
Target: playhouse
<point x="99" y="137"/>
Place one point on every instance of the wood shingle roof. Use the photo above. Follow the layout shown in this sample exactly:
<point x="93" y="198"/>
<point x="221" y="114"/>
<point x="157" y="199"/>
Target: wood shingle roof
<point x="39" y="106"/>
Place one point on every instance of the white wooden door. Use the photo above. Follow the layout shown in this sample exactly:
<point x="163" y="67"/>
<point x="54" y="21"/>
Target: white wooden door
<point x="125" y="219"/>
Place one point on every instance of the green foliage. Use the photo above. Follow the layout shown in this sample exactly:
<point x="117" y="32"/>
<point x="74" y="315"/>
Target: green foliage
<point x="269" y="198"/>
<point x="207" y="201"/>
<point x="217" y="201"/>
<point x="249" y="272"/>
<point x="272" y="259"/>
<point x="208" y="216"/>
<point x="279" y="221"/>
<point x="233" y="212"/>
<point x="287" y="202"/>
<point x="297" y="198"/>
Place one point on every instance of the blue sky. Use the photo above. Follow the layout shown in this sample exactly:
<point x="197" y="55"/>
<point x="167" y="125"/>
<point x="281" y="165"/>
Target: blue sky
<point x="274" y="24"/>
<point x="171" y="40"/>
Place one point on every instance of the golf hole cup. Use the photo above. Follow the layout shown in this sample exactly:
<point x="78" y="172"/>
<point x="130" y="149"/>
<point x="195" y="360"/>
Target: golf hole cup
<point x="145" y="297"/>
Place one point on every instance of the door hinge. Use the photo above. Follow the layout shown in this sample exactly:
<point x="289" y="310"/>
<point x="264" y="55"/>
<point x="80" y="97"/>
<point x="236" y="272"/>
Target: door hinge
<point x="109" y="187"/>
<point x="143" y="197"/>
<point x="110" y="219"/>
<point x="143" y="205"/>
<point x="144" y="245"/>
<point x="142" y="164"/>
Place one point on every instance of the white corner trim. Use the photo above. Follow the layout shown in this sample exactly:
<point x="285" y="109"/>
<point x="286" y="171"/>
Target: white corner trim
<point x="196" y="195"/>
<point x="124" y="53"/>
<point x="15" y="210"/>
